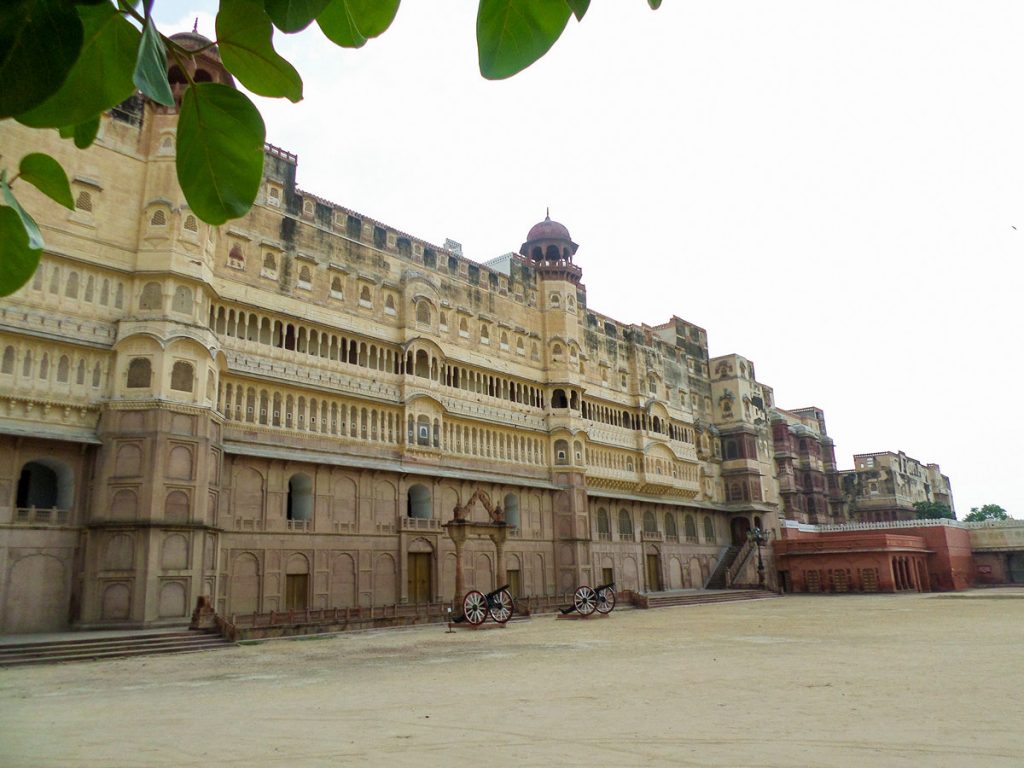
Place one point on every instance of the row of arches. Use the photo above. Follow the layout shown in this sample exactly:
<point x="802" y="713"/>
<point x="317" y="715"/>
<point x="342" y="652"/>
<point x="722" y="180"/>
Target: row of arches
<point x="140" y="375"/>
<point x="639" y="421"/>
<point x="78" y="285"/>
<point x="470" y="440"/>
<point x="29" y="363"/>
<point x="625" y="526"/>
<point x="325" y="416"/>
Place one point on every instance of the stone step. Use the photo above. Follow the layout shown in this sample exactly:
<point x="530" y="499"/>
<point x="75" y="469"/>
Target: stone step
<point x="87" y="639"/>
<point x="705" y="598"/>
<point x="109" y="648"/>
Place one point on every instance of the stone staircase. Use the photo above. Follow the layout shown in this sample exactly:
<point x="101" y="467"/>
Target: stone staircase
<point x="698" y="597"/>
<point x="717" y="580"/>
<point x="92" y="646"/>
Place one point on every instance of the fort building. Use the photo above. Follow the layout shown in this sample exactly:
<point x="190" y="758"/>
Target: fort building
<point x="282" y="412"/>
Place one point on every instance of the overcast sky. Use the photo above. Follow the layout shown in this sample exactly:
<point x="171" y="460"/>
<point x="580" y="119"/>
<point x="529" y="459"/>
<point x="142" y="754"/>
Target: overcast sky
<point x="829" y="188"/>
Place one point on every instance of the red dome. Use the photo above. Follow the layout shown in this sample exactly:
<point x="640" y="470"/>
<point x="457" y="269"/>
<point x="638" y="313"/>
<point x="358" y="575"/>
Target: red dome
<point x="548" y="230"/>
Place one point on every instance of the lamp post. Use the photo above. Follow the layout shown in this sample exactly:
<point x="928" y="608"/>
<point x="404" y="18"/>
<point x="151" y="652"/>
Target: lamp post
<point x="758" y="538"/>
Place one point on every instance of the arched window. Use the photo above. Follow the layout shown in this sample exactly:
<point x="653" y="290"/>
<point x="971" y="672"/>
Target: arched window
<point x="520" y="349"/>
<point x="84" y="201"/>
<point x="604" y="529"/>
<point x="8" y="363"/>
<point x="182" y="301"/>
<point x="269" y="266"/>
<point x="709" y="530"/>
<point x="423" y="430"/>
<point x="365" y="300"/>
<point x="503" y="345"/>
<point x="236" y="258"/>
<point x="159" y="218"/>
<point x="561" y="452"/>
<point x="45" y="484"/>
<point x="485" y="334"/>
<point x="71" y="287"/>
<point x="190" y="224"/>
<point x="423" y="313"/>
<point x="511" y="505"/>
<point x="139" y="373"/>
<point x="151" y="297"/>
<point x="650" y="525"/>
<point x="534" y="351"/>
<point x="556" y="352"/>
<point x="422" y="366"/>
<point x="336" y="289"/>
<point x="182" y="376"/>
<point x="558" y="399"/>
<point x="63" y="369"/>
<point x="671" y="532"/>
<point x="419" y="504"/>
<point x="300" y="497"/>
<point x="691" y="528"/>
<point x="305" y="278"/>
<point x="625" y="525"/>
<point x="554" y="301"/>
<point x="389" y="305"/>
<point x="463" y="328"/>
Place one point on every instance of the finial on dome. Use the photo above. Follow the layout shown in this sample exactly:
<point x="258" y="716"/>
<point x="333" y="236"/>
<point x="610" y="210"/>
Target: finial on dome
<point x="547" y="213"/>
<point x="195" y="26"/>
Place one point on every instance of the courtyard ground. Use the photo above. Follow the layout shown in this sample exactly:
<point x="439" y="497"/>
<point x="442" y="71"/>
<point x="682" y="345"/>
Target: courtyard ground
<point x="881" y="680"/>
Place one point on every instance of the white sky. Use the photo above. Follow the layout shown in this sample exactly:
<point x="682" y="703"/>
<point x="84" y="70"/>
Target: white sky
<point x="829" y="188"/>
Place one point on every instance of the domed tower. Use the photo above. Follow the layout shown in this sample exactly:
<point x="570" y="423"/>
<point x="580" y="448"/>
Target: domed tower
<point x="550" y="249"/>
<point x="204" y="67"/>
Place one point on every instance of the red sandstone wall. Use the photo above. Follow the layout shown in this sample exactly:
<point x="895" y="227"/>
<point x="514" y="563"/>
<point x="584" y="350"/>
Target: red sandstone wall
<point x="951" y="567"/>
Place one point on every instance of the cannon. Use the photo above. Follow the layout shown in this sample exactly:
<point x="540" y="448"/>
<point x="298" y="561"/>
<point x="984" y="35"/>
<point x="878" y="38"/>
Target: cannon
<point x="476" y="607"/>
<point x="586" y="600"/>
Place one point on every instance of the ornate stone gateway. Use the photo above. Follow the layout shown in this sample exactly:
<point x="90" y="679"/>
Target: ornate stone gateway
<point x="461" y="528"/>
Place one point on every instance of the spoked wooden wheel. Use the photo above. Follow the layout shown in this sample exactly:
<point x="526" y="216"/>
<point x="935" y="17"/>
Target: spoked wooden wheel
<point x="605" y="600"/>
<point x="501" y="607"/>
<point x="584" y="600"/>
<point x="474" y="608"/>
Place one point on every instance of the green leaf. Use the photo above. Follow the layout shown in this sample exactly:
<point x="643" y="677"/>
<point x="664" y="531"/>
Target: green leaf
<point x="245" y="41"/>
<point x="655" y="4"/>
<point x="102" y="76"/>
<point x="84" y="134"/>
<point x="18" y="261"/>
<point x="350" y="23"/>
<point x="579" y="8"/>
<point x="39" y="42"/>
<point x="512" y="34"/>
<point x="45" y="174"/>
<point x="294" y="15"/>
<point x="219" y="151"/>
<point x="35" y="237"/>
<point x="151" y="67"/>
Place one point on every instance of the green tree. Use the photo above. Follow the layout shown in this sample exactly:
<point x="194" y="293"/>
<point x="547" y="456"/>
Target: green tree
<point x="986" y="512"/>
<point x="933" y="510"/>
<point x="63" y="63"/>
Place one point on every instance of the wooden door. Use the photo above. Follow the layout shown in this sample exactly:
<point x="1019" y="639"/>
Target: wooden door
<point x="420" y="587"/>
<point x="653" y="574"/>
<point x="607" y="576"/>
<point x="515" y="584"/>
<point x="296" y="591"/>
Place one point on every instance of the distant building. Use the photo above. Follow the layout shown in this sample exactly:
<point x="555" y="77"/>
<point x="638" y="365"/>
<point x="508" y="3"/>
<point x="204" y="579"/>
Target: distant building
<point x="885" y="486"/>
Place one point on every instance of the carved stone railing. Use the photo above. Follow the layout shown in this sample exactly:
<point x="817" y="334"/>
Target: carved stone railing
<point x="420" y="524"/>
<point x="651" y="536"/>
<point x="41" y="516"/>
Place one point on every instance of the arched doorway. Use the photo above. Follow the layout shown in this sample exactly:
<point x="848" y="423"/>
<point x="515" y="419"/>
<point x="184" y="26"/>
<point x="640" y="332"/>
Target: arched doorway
<point x="739" y="527"/>
<point x="297" y="583"/>
<point x="300" y="497"/>
<point x="420" y="571"/>
<point x="652" y="565"/>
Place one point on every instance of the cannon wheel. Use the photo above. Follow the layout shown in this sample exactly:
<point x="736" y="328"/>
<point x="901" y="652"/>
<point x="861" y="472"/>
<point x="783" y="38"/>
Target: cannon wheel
<point x="474" y="607"/>
<point x="584" y="600"/>
<point x="502" y="607"/>
<point x="606" y="600"/>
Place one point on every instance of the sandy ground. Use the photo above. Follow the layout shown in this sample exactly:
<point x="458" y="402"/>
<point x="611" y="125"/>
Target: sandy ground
<point x="912" y="680"/>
